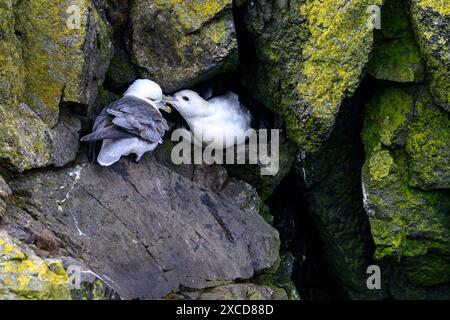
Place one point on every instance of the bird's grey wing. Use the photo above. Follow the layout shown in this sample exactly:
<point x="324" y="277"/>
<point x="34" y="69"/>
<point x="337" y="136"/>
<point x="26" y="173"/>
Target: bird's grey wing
<point x="111" y="132"/>
<point x="137" y="117"/>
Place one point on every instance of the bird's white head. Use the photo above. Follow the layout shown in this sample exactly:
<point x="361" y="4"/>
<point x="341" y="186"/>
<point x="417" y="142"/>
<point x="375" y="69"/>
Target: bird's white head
<point x="149" y="91"/>
<point x="189" y="103"/>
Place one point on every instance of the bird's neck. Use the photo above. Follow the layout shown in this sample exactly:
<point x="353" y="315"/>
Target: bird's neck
<point x="203" y="111"/>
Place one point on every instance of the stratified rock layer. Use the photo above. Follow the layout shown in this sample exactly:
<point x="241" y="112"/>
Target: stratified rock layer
<point x="145" y="229"/>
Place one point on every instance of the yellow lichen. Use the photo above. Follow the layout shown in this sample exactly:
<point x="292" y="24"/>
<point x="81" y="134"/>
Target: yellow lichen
<point x="380" y="165"/>
<point x="29" y="277"/>
<point x="192" y="14"/>
<point x="441" y="6"/>
<point x="336" y="51"/>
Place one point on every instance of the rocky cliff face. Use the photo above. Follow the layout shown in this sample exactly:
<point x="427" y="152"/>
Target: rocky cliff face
<point x="364" y="157"/>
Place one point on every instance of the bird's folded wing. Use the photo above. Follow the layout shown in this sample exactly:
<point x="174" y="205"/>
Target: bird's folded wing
<point x="136" y="117"/>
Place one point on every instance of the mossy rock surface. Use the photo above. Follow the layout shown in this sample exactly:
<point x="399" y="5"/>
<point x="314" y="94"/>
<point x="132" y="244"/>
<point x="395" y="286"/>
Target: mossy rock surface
<point x="178" y="43"/>
<point x="396" y="57"/>
<point x="266" y="184"/>
<point x="431" y="24"/>
<point x="311" y="57"/>
<point x="331" y="183"/>
<point x="46" y="59"/>
<point x="405" y="184"/>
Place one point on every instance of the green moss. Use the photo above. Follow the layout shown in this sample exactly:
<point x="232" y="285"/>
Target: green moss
<point x="428" y="146"/>
<point x="312" y="57"/>
<point x="395" y="57"/>
<point x="282" y="278"/>
<point x="120" y="72"/>
<point x="380" y="165"/>
<point x="431" y="24"/>
<point x="192" y="14"/>
<point x="386" y="115"/>
<point x="407" y="222"/>
<point x="440" y="6"/>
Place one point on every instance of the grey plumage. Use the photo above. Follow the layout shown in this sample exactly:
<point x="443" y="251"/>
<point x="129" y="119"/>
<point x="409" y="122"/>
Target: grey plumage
<point x="127" y="118"/>
<point x="128" y="125"/>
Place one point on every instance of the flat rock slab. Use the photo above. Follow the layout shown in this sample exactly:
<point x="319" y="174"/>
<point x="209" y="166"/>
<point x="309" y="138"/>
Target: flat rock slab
<point x="145" y="230"/>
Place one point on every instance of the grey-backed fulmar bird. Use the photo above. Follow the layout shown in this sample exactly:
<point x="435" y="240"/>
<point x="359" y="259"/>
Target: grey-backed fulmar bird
<point x="132" y="124"/>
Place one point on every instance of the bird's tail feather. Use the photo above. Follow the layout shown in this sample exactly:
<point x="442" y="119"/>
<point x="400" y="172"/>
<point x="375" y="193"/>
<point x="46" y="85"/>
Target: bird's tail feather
<point x="112" y="151"/>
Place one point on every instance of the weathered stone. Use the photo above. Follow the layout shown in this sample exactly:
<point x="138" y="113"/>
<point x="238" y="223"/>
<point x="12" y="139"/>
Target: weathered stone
<point x="331" y="183"/>
<point x="311" y="55"/>
<point x="45" y="63"/>
<point x="5" y="192"/>
<point x="244" y="291"/>
<point x="211" y="177"/>
<point x="395" y="57"/>
<point x="23" y="275"/>
<point x="246" y="197"/>
<point x="145" y="229"/>
<point x="282" y="278"/>
<point x="65" y="61"/>
<point x="266" y="184"/>
<point x="405" y="131"/>
<point x="431" y="23"/>
<point x="65" y="141"/>
<point x="180" y="42"/>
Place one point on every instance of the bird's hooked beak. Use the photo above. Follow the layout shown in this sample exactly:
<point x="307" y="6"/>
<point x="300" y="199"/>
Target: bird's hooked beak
<point x="163" y="106"/>
<point x="169" y="99"/>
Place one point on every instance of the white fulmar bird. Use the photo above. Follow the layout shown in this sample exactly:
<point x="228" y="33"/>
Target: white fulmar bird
<point x="220" y="122"/>
<point x="132" y="124"/>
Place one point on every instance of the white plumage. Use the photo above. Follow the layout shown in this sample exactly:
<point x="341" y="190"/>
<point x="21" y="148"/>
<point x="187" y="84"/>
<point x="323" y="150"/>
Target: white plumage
<point x="220" y="122"/>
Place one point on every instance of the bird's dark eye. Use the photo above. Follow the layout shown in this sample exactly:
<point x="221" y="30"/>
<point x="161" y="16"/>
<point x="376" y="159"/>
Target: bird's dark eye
<point x="185" y="98"/>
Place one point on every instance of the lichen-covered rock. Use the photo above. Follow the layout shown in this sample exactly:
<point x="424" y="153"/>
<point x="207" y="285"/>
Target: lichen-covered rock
<point x="26" y="142"/>
<point x="431" y="23"/>
<point x="405" y="131"/>
<point x="145" y="229"/>
<point x="121" y="72"/>
<point x="400" y="118"/>
<point x="246" y="197"/>
<point x="65" y="59"/>
<point x="23" y="275"/>
<point x="266" y="184"/>
<point x="5" y="192"/>
<point x="241" y="291"/>
<point x="180" y="42"/>
<point x="282" y="278"/>
<point x="311" y="56"/>
<point x="45" y="62"/>
<point x="395" y="57"/>
<point x="331" y="183"/>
